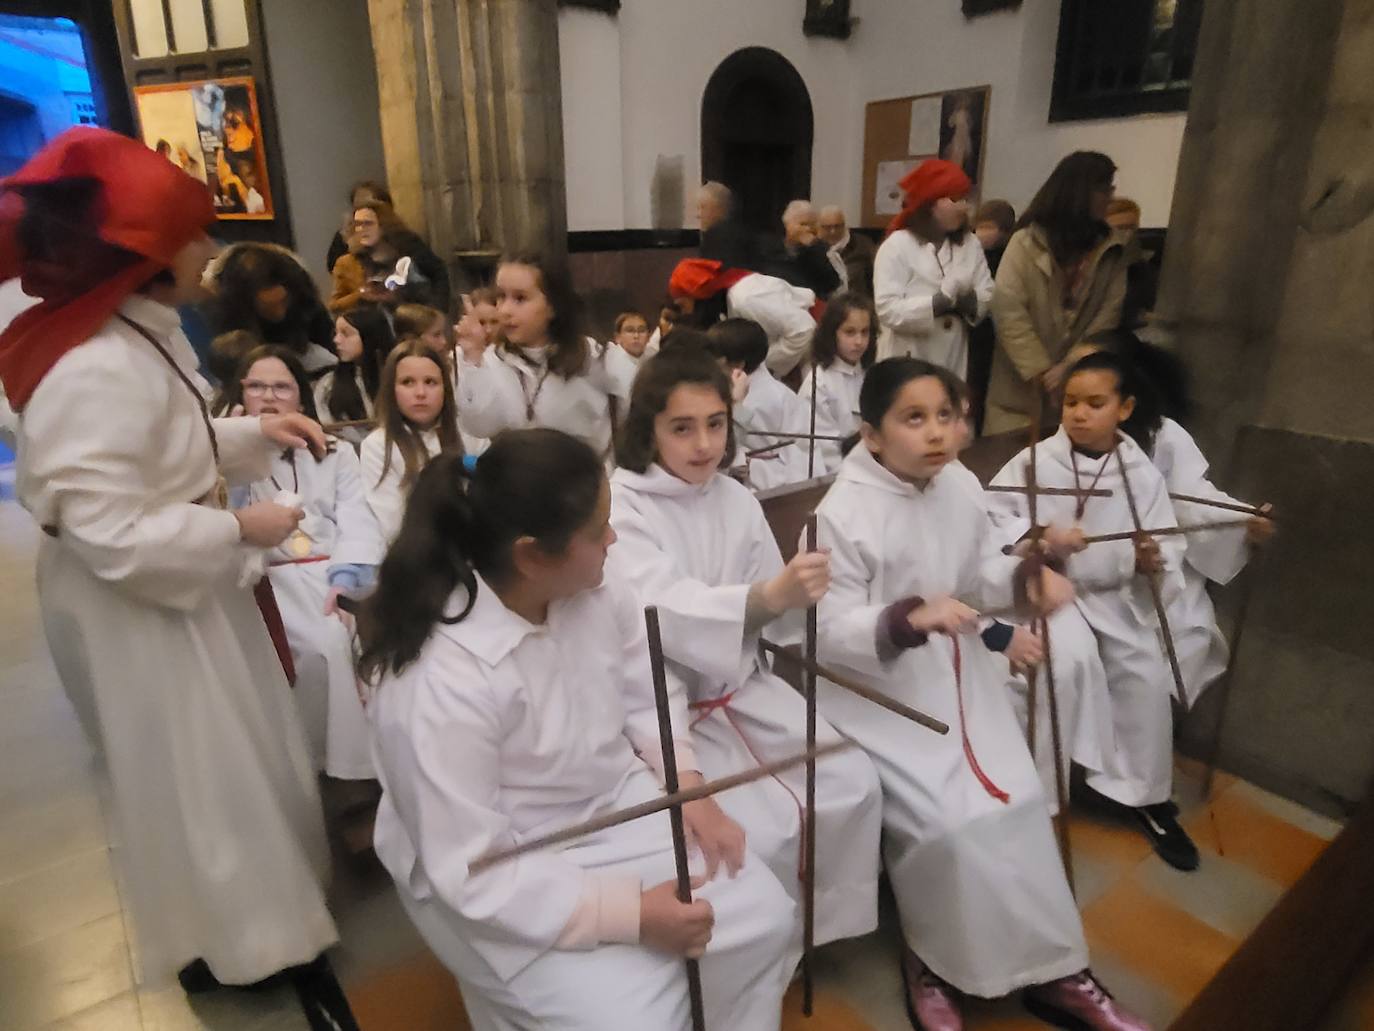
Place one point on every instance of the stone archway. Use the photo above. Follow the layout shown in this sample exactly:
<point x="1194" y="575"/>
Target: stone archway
<point x="757" y="128"/>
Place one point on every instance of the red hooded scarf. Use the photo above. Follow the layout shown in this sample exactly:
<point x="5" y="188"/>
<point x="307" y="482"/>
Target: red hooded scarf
<point x="702" y="278"/>
<point x="145" y="211"/>
<point x="928" y="182"/>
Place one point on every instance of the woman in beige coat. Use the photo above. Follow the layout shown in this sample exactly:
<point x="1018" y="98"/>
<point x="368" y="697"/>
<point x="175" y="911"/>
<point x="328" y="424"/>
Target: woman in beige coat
<point x="1062" y="279"/>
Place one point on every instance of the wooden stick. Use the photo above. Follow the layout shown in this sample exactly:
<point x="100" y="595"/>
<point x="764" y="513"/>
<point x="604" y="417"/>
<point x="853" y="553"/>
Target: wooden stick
<point x="1153" y="580"/>
<point x="755" y="452"/>
<point x="862" y="690"/>
<point x="1037" y="555"/>
<point x="1165" y="531"/>
<point x="348" y="424"/>
<point x="1061" y="786"/>
<point x="1250" y="510"/>
<point x="1057" y="492"/>
<point x="1224" y="686"/>
<point x="654" y="805"/>
<point x="665" y="739"/>
<point x="810" y="474"/>
<point x="793" y="436"/>
<point x="809" y="825"/>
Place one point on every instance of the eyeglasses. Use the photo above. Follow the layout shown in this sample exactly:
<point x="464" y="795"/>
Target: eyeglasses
<point x="257" y="388"/>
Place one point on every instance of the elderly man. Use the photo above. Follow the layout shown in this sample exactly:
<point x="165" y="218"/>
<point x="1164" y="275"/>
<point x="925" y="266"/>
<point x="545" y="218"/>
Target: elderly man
<point x="723" y="239"/>
<point x="802" y="258"/>
<point x="855" y="252"/>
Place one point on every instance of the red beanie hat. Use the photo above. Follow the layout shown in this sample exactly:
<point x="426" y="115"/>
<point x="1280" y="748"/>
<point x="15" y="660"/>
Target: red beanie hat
<point x="927" y="182"/>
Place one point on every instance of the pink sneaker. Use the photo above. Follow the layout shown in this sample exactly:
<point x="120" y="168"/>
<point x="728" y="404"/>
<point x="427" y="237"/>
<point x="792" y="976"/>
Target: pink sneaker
<point x="1080" y="1003"/>
<point x="931" y="1004"/>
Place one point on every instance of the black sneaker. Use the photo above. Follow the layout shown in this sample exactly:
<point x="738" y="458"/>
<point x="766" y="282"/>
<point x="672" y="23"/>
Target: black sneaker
<point x="1166" y="834"/>
<point x="196" y="978"/>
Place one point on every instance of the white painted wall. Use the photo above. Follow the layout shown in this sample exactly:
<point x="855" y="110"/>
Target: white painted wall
<point x="324" y="85"/>
<point x="668" y="49"/>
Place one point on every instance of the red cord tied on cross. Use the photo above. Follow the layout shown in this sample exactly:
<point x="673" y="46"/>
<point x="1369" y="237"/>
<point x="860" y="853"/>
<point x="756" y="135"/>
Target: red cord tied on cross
<point x="972" y="759"/>
<point x="721" y="703"/>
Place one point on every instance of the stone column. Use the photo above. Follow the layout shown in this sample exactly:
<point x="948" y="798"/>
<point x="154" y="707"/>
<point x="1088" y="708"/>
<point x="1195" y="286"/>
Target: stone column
<point x="1266" y="295"/>
<point x="472" y="121"/>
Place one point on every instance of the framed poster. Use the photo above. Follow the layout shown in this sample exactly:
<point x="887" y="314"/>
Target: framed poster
<point x="901" y="133"/>
<point x="211" y="129"/>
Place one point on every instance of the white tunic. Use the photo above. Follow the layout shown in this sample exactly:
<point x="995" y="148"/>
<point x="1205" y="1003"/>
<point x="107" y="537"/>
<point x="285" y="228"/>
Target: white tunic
<point x="694" y="551"/>
<point x="168" y="661"/>
<point x="837" y="408"/>
<point x="771" y="405"/>
<point x="382" y="481"/>
<point x="339" y="528"/>
<point x="784" y="312"/>
<point x="1214" y="555"/>
<point x="907" y="274"/>
<point x="503" y="730"/>
<point x="978" y="881"/>
<point x="1136" y="766"/>
<point x="508" y="391"/>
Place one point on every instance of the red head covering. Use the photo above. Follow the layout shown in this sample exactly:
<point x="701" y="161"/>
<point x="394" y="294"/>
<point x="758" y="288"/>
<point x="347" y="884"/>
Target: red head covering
<point x="702" y="278"/>
<point x="927" y="182"/>
<point x="145" y="211"/>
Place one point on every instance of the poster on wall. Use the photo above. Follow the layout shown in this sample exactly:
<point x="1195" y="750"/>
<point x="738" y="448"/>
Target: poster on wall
<point x="211" y="130"/>
<point x="901" y="133"/>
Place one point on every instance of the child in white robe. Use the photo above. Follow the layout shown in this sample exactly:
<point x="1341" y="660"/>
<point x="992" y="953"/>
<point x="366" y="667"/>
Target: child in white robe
<point x="767" y="405"/>
<point x="1214" y="555"/>
<point x="968" y="846"/>
<point x="1135" y="768"/>
<point x="544" y="371"/>
<point x="514" y="699"/>
<point x="631" y="335"/>
<point x="348" y="391"/>
<point x="841" y="352"/>
<point x="333" y="551"/>
<point x="416" y="412"/>
<point x="696" y="544"/>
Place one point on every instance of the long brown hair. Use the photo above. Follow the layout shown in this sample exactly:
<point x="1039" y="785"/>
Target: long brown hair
<point x="568" y="351"/>
<point x="1063" y="206"/>
<point x="400" y="434"/>
<point x="636" y="447"/>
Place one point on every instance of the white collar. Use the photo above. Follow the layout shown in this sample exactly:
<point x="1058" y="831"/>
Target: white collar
<point x="658" y="480"/>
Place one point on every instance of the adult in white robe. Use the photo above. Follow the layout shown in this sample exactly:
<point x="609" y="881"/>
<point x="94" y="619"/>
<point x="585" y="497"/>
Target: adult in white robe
<point x="1136" y="766"/>
<point x="977" y="876"/>
<point x="508" y="390"/>
<point x="337" y="532"/>
<point x="784" y="312"/>
<point x="772" y="406"/>
<point x="837" y="408"/>
<point x="501" y="731"/>
<point x="166" y="658"/>
<point x="382" y="486"/>
<point x="908" y="274"/>
<point x="1214" y="555"/>
<point x="695" y="551"/>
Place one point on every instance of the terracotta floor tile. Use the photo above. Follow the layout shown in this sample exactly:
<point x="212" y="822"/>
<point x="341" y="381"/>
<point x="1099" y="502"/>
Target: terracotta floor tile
<point x="830" y="1013"/>
<point x="1108" y="841"/>
<point x="1244" y="832"/>
<point x="1155" y="940"/>
<point x="417" y="995"/>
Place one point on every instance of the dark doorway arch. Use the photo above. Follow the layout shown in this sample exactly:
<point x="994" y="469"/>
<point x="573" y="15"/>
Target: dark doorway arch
<point x="756" y="134"/>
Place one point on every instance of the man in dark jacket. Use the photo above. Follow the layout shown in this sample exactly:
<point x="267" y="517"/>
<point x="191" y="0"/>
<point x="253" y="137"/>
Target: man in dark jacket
<point x="801" y="257"/>
<point x="854" y="249"/>
<point x="722" y="238"/>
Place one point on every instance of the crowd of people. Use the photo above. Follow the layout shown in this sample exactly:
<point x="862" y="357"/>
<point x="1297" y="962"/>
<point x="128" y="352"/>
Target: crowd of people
<point x="441" y="525"/>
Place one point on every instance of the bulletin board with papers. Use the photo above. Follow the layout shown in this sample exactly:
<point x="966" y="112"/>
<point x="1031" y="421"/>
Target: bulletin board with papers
<point x="899" y="134"/>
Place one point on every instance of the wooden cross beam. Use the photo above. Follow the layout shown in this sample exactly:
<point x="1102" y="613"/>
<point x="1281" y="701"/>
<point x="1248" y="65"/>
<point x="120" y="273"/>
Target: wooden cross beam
<point x="1057" y="492"/>
<point x="1165" y="531"/>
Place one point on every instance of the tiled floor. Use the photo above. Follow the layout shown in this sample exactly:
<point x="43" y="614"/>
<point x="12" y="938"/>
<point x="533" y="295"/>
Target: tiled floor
<point x="65" y="956"/>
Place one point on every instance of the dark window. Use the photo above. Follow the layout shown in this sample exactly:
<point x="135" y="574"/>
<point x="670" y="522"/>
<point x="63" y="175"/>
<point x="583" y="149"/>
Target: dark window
<point x="609" y="6"/>
<point x="1124" y="57"/>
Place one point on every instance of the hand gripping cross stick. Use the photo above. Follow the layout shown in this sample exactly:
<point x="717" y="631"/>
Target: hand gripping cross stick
<point x="1042" y="624"/>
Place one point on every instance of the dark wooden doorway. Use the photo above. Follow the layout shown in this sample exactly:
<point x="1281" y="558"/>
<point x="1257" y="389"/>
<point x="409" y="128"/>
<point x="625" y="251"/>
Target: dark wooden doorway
<point x="756" y="134"/>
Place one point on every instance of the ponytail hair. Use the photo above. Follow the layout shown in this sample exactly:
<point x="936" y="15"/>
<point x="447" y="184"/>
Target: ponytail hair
<point x="537" y="483"/>
<point x="1145" y="420"/>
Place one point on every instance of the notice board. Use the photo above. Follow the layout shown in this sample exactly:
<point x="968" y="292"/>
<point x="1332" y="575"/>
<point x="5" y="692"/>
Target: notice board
<point x="901" y="133"/>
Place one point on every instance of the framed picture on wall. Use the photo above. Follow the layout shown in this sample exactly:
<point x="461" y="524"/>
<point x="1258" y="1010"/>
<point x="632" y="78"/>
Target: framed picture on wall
<point x="211" y="129"/>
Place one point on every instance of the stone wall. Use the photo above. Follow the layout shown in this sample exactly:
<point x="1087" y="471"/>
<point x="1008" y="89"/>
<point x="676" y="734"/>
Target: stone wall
<point x="1266" y="294"/>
